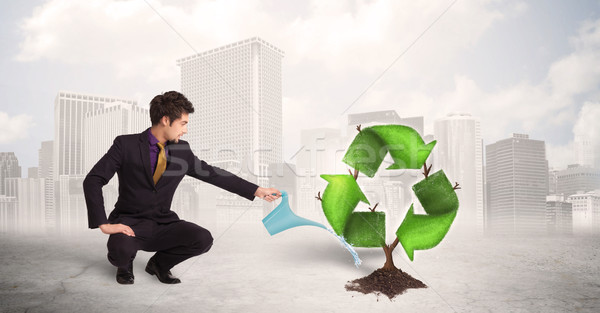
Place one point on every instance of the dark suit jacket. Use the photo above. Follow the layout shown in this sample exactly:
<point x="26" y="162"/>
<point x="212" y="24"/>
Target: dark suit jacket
<point x="129" y="157"/>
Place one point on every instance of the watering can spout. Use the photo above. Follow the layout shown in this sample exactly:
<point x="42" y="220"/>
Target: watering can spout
<point x="282" y="218"/>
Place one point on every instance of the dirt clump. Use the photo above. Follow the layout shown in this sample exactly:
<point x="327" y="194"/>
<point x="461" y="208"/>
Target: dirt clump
<point x="390" y="282"/>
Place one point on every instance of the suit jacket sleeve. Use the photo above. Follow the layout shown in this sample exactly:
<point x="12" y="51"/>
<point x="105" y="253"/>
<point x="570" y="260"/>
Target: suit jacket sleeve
<point x="221" y="178"/>
<point x="99" y="176"/>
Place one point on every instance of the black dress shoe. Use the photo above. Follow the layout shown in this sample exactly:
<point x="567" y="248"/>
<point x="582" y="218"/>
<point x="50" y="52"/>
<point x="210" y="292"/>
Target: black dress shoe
<point x="125" y="275"/>
<point x="165" y="277"/>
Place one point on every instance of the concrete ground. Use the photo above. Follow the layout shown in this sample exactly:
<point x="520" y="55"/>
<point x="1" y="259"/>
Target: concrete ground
<point x="303" y="270"/>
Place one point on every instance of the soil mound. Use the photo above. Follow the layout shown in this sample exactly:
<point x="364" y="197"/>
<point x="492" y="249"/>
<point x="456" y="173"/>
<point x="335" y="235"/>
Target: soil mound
<point x="388" y="282"/>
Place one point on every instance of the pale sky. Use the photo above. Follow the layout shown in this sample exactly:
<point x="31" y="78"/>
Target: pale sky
<point x="520" y="66"/>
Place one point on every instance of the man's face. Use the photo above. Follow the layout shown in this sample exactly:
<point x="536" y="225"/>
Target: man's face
<point x="179" y="127"/>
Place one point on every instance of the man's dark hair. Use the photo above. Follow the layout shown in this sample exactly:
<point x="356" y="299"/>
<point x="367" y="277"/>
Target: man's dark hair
<point x="172" y="104"/>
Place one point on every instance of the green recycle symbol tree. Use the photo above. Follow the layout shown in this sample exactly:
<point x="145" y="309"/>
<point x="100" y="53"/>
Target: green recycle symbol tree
<point x="367" y="229"/>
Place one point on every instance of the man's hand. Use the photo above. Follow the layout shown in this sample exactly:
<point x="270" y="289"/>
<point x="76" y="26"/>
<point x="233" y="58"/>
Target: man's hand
<point x="267" y="193"/>
<point x="117" y="228"/>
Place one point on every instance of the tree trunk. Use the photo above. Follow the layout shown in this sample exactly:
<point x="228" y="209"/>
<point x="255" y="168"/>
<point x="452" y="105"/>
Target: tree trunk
<point x="389" y="260"/>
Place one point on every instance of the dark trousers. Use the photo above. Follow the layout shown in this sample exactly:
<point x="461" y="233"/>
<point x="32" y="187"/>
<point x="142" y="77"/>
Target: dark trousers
<point x="174" y="243"/>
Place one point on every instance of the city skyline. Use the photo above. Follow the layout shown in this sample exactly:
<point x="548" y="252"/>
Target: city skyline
<point x="87" y="124"/>
<point x="237" y="89"/>
<point x="324" y="147"/>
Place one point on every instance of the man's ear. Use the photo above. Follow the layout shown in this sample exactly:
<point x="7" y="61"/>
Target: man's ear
<point x="165" y="121"/>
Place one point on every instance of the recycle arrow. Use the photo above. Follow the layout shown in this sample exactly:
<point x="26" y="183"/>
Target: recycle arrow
<point x="420" y="232"/>
<point x="340" y="198"/>
<point x="367" y="229"/>
<point x="370" y="146"/>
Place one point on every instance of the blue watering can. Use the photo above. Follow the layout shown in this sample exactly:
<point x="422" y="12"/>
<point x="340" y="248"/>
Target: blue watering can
<point x="282" y="218"/>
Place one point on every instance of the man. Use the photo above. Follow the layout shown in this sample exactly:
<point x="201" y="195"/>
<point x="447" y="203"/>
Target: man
<point x="150" y="165"/>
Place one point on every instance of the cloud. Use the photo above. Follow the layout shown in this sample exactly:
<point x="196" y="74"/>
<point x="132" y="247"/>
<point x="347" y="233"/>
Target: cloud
<point x="338" y="35"/>
<point x="333" y="50"/>
<point x="369" y="35"/>
<point x="14" y="128"/>
<point x="546" y="107"/>
<point x="559" y="156"/>
<point x="587" y="124"/>
<point x="578" y="72"/>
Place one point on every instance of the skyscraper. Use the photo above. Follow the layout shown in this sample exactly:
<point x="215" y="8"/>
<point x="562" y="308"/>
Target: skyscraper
<point x="587" y="151"/>
<point x="517" y="183"/>
<point x="45" y="171"/>
<point x="236" y="90"/>
<point x="552" y="181"/>
<point x="69" y="112"/>
<point x="30" y="207"/>
<point x="72" y="213"/>
<point x="9" y="168"/>
<point x="8" y="214"/>
<point x="459" y="153"/>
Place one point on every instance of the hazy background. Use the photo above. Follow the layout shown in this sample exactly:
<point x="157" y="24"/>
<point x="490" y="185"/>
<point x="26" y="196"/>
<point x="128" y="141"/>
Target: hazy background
<point x="521" y="66"/>
<point x="529" y="67"/>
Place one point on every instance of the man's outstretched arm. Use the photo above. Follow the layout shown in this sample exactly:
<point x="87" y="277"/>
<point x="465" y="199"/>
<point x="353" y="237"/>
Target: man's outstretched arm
<point x="226" y="180"/>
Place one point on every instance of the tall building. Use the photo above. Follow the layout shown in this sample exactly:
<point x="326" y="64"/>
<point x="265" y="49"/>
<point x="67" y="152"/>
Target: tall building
<point x="69" y="113"/>
<point x="72" y="215"/>
<point x="8" y="215"/>
<point x="45" y="171"/>
<point x="236" y="90"/>
<point x="30" y="208"/>
<point x="9" y="168"/>
<point x="552" y="182"/>
<point x="576" y="179"/>
<point x="517" y="183"/>
<point x="586" y="212"/>
<point x="559" y="215"/>
<point x="101" y="126"/>
<point x="459" y="153"/>
<point x="587" y="151"/>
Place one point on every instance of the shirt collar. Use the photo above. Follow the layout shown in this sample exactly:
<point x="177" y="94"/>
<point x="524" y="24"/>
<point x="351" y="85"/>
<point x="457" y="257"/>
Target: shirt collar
<point x="153" y="141"/>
